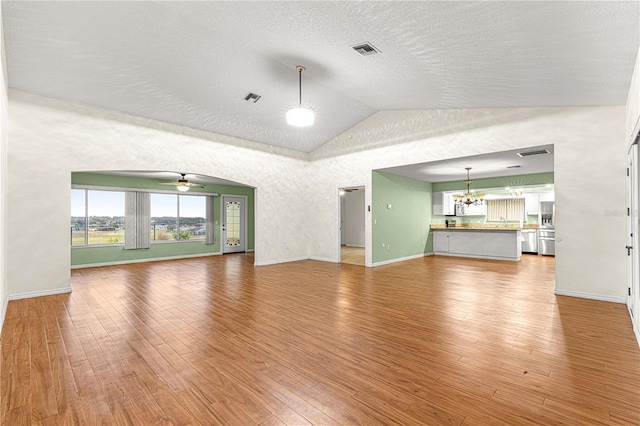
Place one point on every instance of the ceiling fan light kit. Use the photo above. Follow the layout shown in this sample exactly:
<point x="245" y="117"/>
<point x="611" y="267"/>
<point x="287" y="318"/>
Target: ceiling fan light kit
<point x="300" y="115"/>
<point x="183" y="185"/>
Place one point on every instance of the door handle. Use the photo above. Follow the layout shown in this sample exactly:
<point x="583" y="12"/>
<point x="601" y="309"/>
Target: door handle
<point x="628" y="250"/>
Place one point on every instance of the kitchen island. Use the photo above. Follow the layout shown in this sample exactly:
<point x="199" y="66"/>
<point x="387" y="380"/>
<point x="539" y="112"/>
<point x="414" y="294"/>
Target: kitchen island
<point x="499" y="243"/>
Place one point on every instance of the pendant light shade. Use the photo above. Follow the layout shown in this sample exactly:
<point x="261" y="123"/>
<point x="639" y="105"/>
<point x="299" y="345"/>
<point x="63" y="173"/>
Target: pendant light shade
<point x="300" y="115"/>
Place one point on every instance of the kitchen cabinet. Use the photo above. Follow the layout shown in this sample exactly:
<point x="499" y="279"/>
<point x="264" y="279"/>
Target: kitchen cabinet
<point x="531" y="203"/>
<point x="547" y="196"/>
<point x="443" y="204"/>
<point x="499" y="244"/>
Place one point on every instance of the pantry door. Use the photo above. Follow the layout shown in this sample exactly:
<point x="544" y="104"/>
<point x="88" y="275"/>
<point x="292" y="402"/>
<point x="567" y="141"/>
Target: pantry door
<point x="234" y="223"/>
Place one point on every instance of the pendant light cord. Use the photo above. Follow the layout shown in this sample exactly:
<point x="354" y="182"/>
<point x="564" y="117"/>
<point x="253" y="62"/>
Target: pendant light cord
<point x="300" y="86"/>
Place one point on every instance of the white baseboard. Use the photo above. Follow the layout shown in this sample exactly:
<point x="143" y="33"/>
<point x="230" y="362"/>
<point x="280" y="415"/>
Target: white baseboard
<point x="471" y="256"/>
<point x="400" y="259"/>
<point x="591" y="296"/>
<point x="634" y="325"/>
<point x="249" y="251"/>
<point x="354" y="245"/>
<point x="429" y="254"/>
<point x="275" y="262"/>
<point x="30" y="294"/>
<point x="4" y="311"/>
<point x="154" y="259"/>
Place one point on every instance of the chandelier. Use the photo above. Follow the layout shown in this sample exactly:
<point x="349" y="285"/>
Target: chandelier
<point x="469" y="197"/>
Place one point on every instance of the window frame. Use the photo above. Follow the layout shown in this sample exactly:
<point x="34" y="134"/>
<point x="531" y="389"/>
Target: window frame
<point x="152" y="191"/>
<point x="86" y="216"/>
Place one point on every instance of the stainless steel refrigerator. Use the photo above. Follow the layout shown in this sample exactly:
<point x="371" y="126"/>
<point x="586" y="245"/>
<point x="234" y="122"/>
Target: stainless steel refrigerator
<point x="547" y="229"/>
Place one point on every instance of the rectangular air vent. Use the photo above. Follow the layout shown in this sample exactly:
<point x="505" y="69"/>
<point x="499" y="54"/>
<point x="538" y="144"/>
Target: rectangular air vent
<point x="530" y="153"/>
<point x="513" y="167"/>
<point x="252" y="96"/>
<point x="365" y="49"/>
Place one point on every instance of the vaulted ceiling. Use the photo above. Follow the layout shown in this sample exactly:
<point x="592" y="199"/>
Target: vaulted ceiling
<point x="193" y="63"/>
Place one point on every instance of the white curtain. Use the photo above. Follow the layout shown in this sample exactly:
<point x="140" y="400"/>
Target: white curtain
<point x="509" y="210"/>
<point x="137" y="220"/>
<point x="210" y="223"/>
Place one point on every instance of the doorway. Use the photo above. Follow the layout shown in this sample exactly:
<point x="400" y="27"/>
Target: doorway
<point x="352" y="225"/>
<point x="234" y="223"/>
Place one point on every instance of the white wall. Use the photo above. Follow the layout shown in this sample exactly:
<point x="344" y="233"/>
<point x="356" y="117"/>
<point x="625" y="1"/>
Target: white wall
<point x="589" y="178"/>
<point x="354" y="218"/>
<point x="3" y="175"/>
<point x="633" y="102"/>
<point x="297" y="213"/>
<point x="47" y="144"/>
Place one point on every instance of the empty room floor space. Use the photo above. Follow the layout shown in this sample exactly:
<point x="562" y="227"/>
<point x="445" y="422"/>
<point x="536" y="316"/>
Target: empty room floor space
<point x="215" y="340"/>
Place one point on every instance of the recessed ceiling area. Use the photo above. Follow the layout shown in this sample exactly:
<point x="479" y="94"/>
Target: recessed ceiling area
<point x="496" y="164"/>
<point x="170" y="176"/>
<point x="193" y="63"/>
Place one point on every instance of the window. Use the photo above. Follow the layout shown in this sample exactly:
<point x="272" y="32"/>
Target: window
<point x="505" y="210"/>
<point x="97" y="217"/>
<point x="177" y="217"/>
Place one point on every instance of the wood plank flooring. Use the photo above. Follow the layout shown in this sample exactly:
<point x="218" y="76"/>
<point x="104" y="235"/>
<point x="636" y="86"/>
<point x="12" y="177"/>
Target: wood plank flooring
<point x="215" y="340"/>
<point x="352" y="255"/>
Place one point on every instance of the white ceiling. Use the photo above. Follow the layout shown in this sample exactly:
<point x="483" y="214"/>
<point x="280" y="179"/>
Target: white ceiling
<point x="192" y="63"/>
<point x="482" y="166"/>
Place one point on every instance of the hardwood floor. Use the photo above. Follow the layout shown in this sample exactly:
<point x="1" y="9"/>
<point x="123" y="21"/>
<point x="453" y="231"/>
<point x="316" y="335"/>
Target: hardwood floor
<point x="352" y="255"/>
<point x="216" y="340"/>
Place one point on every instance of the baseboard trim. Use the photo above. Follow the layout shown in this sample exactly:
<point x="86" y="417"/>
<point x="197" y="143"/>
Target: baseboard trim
<point x="154" y="259"/>
<point x="354" y="245"/>
<point x="591" y="296"/>
<point x="249" y="250"/>
<point x="471" y="256"/>
<point x="429" y="254"/>
<point x="31" y="294"/>
<point x="400" y="259"/>
<point x="275" y="262"/>
<point x="635" y="328"/>
<point x="324" y="259"/>
<point x="5" y="304"/>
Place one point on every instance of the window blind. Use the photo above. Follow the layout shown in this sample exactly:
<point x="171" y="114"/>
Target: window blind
<point x="509" y="210"/>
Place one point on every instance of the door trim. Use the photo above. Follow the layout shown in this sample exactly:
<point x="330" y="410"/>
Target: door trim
<point x="244" y="219"/>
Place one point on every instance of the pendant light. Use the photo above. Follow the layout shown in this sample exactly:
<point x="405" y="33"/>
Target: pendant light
<point x="300" y="115"/>
<point x="469" y="197"/>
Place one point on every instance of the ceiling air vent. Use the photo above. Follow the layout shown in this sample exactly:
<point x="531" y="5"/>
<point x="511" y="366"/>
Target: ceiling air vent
<point x="252" y="97"/>
<point x="513" y="167"/>
<point x="365" y="49"/>
<point x="530" y="153"/>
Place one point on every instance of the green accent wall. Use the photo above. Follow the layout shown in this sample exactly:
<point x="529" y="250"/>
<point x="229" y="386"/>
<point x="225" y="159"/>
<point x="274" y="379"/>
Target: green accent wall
<point x="404" y="229"/>
<point x="116" y="253"/>
<point x="496" y="182"/>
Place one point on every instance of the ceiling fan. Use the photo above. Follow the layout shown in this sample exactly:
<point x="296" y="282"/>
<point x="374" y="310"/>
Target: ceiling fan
<point x="183" y="185"/>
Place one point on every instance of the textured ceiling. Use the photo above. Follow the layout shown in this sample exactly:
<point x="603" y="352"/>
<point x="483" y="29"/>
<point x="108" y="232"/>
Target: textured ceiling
<point x="192" y="63"/>
<point x="482" y="166"/>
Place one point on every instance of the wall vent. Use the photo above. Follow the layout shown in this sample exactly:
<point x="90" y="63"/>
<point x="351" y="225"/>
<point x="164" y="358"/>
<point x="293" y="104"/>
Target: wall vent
<point x="365" y="49"/>
<point x="252" y="97"/>
<point x="513" y="167"/>
<point x="530" y="153"/>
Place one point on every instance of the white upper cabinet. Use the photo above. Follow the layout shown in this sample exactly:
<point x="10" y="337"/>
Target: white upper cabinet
<point x="443" y="204"/>
<point x="531" y="203"/>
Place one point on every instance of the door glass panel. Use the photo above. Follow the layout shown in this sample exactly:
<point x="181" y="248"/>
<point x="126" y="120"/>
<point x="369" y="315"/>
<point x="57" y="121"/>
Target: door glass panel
<point x="233" y="223"/>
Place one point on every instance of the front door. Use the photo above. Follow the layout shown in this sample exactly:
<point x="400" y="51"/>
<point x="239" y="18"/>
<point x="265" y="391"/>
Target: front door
<point x="633" y="250"/>
<point x="233" y="224"/>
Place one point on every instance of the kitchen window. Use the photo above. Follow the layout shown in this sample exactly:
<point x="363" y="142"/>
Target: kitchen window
<point x="505" y="210"/>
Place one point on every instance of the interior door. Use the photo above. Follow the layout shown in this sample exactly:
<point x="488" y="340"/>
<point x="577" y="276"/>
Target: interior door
<point x="633" y="248"/>
<point x="234" y="224"/>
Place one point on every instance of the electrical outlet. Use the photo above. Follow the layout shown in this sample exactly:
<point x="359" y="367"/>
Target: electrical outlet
<point x="389" y="206"/>
<point x="383" y="245"/>
<point x="375" y="221"/>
